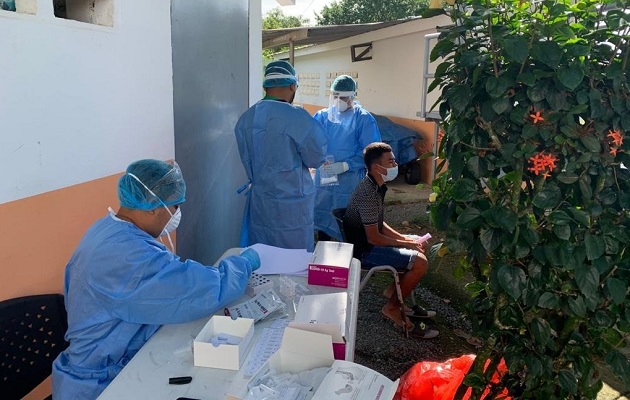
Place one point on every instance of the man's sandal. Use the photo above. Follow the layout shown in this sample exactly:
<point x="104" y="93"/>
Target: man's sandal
<point x="418" y="312"/>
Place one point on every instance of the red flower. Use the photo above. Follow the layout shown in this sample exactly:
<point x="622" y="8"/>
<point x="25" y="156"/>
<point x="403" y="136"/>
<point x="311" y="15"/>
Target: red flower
<point x="542" y="163"/>
<point x="536" y="117"/>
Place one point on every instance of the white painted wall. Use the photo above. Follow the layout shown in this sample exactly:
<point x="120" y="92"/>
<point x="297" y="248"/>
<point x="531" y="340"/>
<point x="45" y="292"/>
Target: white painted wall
<point x="80" y="101"/>
<point x="389" y="84"/>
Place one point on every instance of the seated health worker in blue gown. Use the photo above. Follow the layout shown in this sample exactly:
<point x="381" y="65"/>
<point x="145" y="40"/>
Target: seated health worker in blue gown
<point x="278" y="143"/>
<point x="349" y="129"/>
<point x="122" y="283"/>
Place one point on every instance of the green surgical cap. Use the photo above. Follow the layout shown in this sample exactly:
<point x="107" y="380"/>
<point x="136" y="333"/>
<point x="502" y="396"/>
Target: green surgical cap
<point x="164" y="179"/>
<point x="343" y="83"/>
<point x="279" y="73"/>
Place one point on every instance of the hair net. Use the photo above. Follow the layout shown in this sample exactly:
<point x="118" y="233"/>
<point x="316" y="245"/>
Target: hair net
<point x="343" y="83"/>
<point x="164" y="181"/>
<point x="279" y="73"/>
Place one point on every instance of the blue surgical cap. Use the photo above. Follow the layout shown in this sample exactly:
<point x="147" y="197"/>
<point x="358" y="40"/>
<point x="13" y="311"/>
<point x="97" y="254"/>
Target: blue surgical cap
<point x="278" y="74"/>
<point x="164" y="179"/>
<point x="343" y="83"/>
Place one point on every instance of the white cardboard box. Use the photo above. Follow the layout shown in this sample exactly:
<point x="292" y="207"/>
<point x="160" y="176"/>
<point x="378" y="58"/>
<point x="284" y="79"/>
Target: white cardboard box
<point x="303" y="350"/>
<point x="324" y="313"/>
<point x="225" y="356"/>
<point x="331" y="264"/>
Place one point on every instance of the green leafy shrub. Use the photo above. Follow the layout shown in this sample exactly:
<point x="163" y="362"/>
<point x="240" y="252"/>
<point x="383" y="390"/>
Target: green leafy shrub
<point x="535" y="106"/>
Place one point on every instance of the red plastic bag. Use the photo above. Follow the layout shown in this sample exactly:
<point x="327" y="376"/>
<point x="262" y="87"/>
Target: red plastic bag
<point x="439" y="381"/>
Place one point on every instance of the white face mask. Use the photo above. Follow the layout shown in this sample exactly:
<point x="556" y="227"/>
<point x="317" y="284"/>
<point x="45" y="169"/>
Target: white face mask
<point x="392" y="173"/>
<point x="172" y="223"/>
<point x="342" y="105"/>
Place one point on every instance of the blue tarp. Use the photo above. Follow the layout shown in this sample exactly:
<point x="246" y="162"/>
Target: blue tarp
<point x="400" y="137"/>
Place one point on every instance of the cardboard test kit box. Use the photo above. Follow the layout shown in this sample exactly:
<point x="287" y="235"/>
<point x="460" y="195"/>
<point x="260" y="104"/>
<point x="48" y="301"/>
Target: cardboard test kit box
<point x="224" y="356"/>
<point x="331" y="264"/>
<point x="303" y="350"/>
<point x="326" y="314"/>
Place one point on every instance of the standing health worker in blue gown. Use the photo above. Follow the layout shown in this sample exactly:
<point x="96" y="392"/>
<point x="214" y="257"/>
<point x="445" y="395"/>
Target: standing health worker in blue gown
<point x="122" y="283"/>
<point x="278" y="143"/>
<point x="349" y="129"/>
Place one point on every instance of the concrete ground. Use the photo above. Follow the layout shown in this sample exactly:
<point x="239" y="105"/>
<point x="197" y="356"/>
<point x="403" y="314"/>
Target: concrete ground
<point x="400" y="192"/>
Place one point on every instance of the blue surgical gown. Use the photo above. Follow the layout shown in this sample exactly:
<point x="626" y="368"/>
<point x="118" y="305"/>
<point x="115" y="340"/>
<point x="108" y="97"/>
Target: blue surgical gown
<point x="346" y="140"/>
<point x="121" y="284"/>
<point x="278" y="143"/>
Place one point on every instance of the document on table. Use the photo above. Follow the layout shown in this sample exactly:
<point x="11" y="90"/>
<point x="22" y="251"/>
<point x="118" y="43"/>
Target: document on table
<point x="349" y="381"/>
<point x="276" y="260"/>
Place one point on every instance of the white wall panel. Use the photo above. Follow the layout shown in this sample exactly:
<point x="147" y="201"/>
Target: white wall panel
<point x="81" y="101"/>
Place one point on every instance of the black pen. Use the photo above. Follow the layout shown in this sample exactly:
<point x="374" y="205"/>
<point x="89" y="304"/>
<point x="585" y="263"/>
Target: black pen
<point x="179" y="380"/>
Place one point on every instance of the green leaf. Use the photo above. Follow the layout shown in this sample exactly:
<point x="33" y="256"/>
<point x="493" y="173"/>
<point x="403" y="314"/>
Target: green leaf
<point x="619" y="363"/>
<point x="559" y="218"/>
<point x="585" y="186"/>
<point x="464" y="190"/>
<point x="595" y="246"/>
<point x="549" y="300"/>
<point x="591" y="143"/>
<point x="512" y="279"/>
<point x="549" y="53"/>
<point x="537" y="92"/>
<point x="549" y="197"/>
<point x="541" y="331"/>
<point x="474" y="380"/>
<point x="490" y="239"/>
<point x="501" y="217"/>
<point x="470" y="218"/>
<point x="567" y="381"/>
<point x="587" y="279"/>
<point x="563" y="232"/>
<point x="580" y="216"/>
<point x="571" y="77"/>
<point x="459" y="97"/>
<point x="617" y="289"/>
<point x="477" y="166"/>
<point x="501" y="104"/>
<point x="516" y="49"/>
<point x="440" y="215"/>
<point x="567" y="177"/>
<point x="577" y="306"/>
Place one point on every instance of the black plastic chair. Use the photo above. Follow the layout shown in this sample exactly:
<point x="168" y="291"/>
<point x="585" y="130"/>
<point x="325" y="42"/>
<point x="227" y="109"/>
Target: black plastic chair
<point x="339" y="214"/>
<point x="32" y="330"/>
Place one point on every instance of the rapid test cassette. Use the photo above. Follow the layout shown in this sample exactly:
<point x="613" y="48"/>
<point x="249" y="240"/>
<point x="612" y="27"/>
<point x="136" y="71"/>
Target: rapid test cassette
<point x="258" y="284"/>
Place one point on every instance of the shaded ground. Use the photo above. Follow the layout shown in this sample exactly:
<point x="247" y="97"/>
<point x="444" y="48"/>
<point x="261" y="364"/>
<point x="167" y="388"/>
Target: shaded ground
<point x="383" y="347"/>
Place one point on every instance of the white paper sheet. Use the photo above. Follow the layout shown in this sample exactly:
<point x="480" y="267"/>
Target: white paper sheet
<point x="276" y="260"/>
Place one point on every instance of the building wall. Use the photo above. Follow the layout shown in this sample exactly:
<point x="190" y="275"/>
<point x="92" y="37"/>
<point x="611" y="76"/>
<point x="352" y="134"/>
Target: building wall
<point x="78" y="103"/>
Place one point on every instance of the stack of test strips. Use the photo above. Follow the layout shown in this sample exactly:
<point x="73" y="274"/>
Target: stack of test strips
<point x="258" y="284"/>
<point x="267" y="344"/>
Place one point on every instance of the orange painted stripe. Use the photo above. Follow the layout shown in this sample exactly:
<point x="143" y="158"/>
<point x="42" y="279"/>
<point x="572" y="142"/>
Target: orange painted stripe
<point x="39" y="234"/>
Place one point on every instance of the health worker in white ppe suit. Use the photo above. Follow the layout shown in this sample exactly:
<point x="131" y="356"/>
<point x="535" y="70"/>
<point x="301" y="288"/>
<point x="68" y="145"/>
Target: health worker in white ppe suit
<point x="122" y="283"/>
<point x="349" y="129"/>
<point x="278" y="143"/>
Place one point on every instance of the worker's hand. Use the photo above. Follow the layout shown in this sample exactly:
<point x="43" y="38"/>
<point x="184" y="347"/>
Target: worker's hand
<point x="252" y="256"/>
<point x="335" y="168"/>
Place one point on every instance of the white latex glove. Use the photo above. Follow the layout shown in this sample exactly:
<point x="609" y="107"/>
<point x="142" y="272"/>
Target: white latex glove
<point x="335" y="168"/>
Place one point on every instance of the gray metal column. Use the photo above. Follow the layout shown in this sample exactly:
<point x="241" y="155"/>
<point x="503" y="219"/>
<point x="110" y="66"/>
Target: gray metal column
<point x="210" y="90"/>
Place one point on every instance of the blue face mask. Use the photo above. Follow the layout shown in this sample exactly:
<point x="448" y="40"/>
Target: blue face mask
<point x="392" y="173"/>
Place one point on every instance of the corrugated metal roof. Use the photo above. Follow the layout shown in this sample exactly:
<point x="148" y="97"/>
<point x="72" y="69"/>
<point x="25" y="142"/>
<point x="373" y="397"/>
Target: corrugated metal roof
<point x="311" y="35"/>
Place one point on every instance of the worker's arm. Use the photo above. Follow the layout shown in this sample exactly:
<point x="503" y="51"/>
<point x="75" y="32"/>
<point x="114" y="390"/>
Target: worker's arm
<point x="377" y="238"/>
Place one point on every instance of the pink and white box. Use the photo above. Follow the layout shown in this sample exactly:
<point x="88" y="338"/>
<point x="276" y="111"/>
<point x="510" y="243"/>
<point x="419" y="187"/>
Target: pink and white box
<point x="331" y="264"/>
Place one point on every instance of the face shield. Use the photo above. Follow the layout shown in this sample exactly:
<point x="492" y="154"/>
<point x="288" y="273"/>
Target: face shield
<point x="338" y="103"/>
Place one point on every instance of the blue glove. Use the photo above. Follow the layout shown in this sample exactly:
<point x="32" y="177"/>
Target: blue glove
<point x="252" y="256"/>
